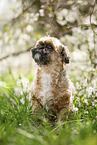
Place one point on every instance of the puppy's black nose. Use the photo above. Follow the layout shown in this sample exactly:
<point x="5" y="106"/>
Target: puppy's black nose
<point x="33" y="50"/>
<point x="36" y="54"/>
<point x="36" y="50"/>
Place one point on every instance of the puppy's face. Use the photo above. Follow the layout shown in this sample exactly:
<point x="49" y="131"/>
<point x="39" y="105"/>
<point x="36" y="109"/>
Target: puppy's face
<point x="41" y="53"/>
<point x="49" y="49"/>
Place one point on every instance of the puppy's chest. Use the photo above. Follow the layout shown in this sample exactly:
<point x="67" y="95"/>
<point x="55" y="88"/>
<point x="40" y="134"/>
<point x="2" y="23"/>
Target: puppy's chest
<point x="46" y="92"/>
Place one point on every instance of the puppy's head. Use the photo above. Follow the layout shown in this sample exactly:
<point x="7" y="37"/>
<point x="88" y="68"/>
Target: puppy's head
<point x="48" y="50"/>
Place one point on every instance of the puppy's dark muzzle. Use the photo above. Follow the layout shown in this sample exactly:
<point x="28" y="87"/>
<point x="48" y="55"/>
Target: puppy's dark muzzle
<point x="36" y="54"/>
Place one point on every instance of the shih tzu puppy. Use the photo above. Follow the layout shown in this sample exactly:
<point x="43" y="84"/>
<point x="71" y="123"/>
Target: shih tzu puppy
<point x="52" y="87"/>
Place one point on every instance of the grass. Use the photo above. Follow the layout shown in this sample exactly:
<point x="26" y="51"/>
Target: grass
<point x="19" y="126"/>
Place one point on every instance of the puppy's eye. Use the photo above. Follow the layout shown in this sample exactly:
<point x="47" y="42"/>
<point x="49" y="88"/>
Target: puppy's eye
<point x="49" y="47"/>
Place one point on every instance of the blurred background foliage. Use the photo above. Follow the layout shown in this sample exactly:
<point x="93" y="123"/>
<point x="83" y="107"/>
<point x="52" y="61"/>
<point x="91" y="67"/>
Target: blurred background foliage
<point x="73" y="22"/>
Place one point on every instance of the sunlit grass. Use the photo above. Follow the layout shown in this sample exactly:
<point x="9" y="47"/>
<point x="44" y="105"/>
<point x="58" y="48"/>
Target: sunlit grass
<point x="18" y="124"/>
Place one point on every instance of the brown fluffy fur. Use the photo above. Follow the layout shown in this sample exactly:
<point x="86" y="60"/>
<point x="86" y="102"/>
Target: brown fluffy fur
<point x="51" y="85"/>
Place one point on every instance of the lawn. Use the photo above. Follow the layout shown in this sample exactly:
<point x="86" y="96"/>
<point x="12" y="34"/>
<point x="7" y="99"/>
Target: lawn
<point x="20" y="126"/>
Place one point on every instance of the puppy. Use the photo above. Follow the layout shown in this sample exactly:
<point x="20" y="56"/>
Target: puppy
<point x="51" y="87"/>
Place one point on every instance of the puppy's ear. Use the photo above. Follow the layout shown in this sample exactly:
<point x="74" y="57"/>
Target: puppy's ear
<point x="65" y="54"/>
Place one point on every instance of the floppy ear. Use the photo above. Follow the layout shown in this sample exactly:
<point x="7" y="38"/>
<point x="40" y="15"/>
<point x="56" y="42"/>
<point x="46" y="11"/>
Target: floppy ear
<point x="65" y="54"/>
